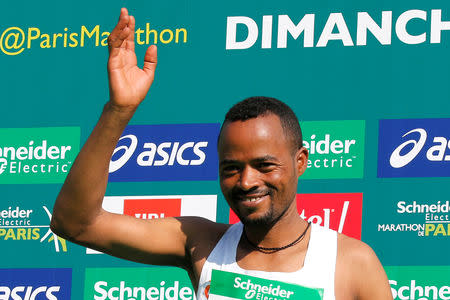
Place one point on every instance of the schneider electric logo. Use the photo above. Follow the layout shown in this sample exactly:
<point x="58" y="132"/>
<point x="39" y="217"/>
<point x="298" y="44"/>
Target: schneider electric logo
<point x="419" y="283"/>
<point x="252" y="289"/>
<point x="37" y="155"/>
<point x="336" y="149"/>
<point x="414" y="148"/>
<point x="234" y="286"/>
<point x="137" y="283"/>
<point x="243" y="32"/>
<point x="165" y="153"/>
<point x="18" y="224"/>
<point x="426" y="219"/>
<point x="35" y="284"/>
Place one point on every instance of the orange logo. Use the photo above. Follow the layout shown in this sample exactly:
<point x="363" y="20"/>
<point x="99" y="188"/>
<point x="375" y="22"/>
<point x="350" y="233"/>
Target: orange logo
<point x="207" y="291"/>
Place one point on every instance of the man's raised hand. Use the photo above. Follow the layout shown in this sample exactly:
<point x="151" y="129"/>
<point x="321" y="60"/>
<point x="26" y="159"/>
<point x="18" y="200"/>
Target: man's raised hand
<point x="128" y="84"/>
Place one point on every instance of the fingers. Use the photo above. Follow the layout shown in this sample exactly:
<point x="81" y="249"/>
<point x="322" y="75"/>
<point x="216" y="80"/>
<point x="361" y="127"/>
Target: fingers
<point x="131" y="25"/>
<point x="122" y="30"/>
<point x="130" y="38"/>
<point x="150" y="60"/>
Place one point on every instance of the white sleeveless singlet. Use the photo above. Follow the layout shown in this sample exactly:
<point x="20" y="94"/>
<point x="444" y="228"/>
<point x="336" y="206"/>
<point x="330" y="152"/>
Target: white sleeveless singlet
<point x="317" y="272"/>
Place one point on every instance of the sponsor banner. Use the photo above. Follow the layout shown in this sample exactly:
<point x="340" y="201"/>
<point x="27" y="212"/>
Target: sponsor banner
<point x="155" y="207"/>
<point x="166" y="153"/>
<point x="15" y="40"/>
<point x="336" y="149"/>
<point x="419" y="282"/>
<point x="233" y="286"/>
<point x="341" y="212"/>
<point x="137" y="283"/>
<point x="35" y="284"/>
<point x="414" y="148"/>
<point x="22" y="226"/>
<point x="37" y="155"/>
<point x="419" y="218"/>
<point x="307" y="31"/>
<point x="414" y="225"/>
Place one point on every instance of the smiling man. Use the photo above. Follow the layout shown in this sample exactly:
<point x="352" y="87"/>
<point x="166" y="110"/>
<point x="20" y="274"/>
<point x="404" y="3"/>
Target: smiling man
<point x="261" y="157"/>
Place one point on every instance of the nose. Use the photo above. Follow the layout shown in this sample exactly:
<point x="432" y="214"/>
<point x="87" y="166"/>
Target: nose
<point x="249" y="178"/>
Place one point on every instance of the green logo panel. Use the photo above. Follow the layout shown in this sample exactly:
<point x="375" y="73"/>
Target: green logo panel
<point x="336" y="149"/>
<point x="137" y="283"/>
<point x="419" y="282"/>
<point x="37" y="155"/>
<point x="232" y="286"/>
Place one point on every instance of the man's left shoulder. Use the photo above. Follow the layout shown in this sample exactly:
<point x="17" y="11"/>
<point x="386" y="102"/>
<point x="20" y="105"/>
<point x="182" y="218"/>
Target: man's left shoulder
<point x="356" y="252"/>
<point x="360" y="271"/>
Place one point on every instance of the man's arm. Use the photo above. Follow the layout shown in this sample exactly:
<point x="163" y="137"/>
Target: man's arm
<point x="78" y="215"/>
<point x="359" y="273"/>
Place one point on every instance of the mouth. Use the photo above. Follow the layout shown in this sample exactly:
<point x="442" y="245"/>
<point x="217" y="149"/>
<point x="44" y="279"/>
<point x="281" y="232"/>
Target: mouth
<point x="252" y="200"/>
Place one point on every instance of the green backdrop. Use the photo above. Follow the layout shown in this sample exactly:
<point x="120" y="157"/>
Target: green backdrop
<point x="50" y="80"/>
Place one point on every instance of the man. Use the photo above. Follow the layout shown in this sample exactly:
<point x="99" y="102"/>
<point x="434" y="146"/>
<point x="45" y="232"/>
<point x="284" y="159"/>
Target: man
<point x="261" y="157"/>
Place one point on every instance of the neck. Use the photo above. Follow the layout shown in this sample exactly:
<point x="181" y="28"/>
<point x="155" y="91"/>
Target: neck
<point x="284" y="231"/>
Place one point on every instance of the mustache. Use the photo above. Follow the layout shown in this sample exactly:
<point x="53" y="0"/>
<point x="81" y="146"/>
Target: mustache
<point x="240" y="193"/>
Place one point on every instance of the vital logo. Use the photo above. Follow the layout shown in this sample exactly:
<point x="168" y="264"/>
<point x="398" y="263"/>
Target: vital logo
<point x="18" y="224"/>
<point x="419" y="283"/>
<point x="414" y="148"/>
<point x="35" y="284"/>
<point x="426" y="219"/>
<point x="155" y="207"/>
<point x="138" y="283"/>
<point x="37" y="155"/>
<point x="243" y="32"/>
<point x="166" y="153"/>
<point x="336" y="149"/>
<point x="340" y="212"/>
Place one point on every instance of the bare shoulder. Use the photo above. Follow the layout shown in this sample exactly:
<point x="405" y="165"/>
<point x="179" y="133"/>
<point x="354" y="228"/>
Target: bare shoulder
<point x="359" y="273"/>
<point x="355" y="252"/>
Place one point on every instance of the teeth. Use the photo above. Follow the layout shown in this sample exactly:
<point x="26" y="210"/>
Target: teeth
<point x="252" y="199"/>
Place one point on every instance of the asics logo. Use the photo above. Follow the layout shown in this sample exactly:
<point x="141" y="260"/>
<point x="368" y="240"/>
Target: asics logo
<point x="165" y="153"/>
<point x="435" y="153"/>
<point x="128" y="152"/>
<point x="398" y="160"/>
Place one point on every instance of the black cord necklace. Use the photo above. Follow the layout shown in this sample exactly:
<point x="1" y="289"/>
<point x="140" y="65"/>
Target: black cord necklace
<point x="276" y="249"/>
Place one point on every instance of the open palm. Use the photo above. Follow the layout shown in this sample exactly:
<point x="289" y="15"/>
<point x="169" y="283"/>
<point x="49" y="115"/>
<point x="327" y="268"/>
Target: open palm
<point x="128" y="84"/>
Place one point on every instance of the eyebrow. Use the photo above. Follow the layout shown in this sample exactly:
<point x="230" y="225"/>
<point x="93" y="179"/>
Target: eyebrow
<point x="259" y="159"/>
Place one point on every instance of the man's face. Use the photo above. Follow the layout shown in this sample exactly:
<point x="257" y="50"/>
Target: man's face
<point x="259" y="169"/>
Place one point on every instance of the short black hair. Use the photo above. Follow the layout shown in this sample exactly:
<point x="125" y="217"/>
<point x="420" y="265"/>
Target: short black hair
<point x="254" y="107"/>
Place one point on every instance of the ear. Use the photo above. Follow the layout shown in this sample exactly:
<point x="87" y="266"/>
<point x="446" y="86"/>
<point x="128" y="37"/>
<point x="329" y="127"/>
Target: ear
<point x="301" y="159"/>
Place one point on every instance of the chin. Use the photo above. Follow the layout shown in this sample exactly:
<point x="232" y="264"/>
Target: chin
<point x="265" y="220"/>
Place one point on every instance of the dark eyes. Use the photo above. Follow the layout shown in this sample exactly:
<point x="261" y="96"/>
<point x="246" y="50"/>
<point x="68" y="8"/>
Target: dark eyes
<point x="230" y="168"/>
<point x="263" y="167"/>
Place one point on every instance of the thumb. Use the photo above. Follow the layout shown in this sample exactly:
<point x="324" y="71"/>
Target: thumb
<point x="150" y="60"/>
